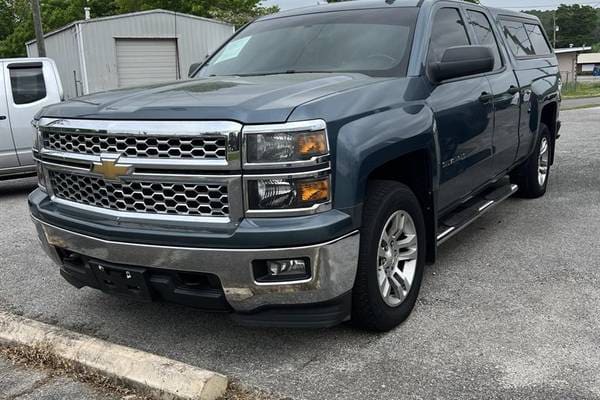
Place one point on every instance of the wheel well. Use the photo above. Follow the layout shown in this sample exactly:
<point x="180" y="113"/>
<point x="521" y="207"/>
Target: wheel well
<point x="414" y="170"/>
<point x="548" y="118"/>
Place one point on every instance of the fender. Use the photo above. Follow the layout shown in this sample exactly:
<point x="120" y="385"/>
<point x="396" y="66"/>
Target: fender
<point x="370" y="126"/>
<point x="371" y="142"/>
<point x="542" y="92"/>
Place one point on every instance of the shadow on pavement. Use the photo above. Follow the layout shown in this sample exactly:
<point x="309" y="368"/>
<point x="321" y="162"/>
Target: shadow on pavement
<point x="17" y="186"/>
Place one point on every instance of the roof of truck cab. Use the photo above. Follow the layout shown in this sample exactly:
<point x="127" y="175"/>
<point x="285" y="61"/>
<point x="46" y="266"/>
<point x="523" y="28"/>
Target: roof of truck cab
<point x="497" y="12"/>
<point x="345" y="5"/>
<point x="367" y="4"/>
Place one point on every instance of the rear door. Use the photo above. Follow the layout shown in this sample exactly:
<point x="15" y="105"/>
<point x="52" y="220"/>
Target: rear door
<point x="30" y="85"/>
<point x="505" y="90"/>
<point x="8" y="155"/>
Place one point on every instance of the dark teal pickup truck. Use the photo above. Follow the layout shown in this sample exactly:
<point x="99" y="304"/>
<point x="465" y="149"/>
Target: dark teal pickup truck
<point x="309" y="169"/>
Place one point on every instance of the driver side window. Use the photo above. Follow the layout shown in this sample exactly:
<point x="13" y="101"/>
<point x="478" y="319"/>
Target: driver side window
<point x="448" y="30"/>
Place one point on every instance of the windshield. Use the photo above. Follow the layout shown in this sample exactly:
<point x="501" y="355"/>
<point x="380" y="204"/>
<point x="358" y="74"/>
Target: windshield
<point x="375" y="42"/>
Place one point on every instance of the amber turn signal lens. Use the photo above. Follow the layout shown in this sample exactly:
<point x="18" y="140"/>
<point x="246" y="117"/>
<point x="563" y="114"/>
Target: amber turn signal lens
<point x="310" y="144"/>
<point x="314" y="191"/>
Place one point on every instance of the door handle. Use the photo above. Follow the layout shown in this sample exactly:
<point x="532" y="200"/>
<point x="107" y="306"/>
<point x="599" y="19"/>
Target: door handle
<point x="512" y="90"/>
<point x="486" y="97"/>
<point x="2" y="117"/>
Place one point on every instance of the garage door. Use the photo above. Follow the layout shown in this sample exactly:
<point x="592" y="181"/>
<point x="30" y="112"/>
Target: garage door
<point x="146" y="61"/>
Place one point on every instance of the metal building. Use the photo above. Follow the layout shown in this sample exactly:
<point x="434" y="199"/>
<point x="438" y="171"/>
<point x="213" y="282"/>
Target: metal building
<point x="130" y="49"/>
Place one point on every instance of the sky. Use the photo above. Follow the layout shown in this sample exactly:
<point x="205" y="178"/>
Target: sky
<point x="513" y="4"/>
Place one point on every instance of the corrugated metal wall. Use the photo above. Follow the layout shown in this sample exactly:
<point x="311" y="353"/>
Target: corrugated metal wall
<point x="62" y="48"/>
<point x="195" y="39"/>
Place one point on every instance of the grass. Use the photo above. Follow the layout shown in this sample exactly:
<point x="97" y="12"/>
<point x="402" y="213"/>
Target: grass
<point x="581" y="90"/>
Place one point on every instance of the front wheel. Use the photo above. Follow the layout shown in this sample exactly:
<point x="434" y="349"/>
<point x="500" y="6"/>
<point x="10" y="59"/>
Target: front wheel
<point x="392" y="257"/>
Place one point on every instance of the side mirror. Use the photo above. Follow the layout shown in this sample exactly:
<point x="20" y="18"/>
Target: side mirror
<point x="193" y="69"/>
<point x="462" y="61"/>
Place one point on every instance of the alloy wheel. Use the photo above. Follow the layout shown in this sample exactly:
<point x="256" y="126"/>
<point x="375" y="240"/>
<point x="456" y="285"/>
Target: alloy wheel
<point x="397" y="258"/>
<point x="543" y="161"/>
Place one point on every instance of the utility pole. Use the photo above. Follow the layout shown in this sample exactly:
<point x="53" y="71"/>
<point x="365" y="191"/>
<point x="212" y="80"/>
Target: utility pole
<point x="556" y="28"/>
<point x="37" y="24"/>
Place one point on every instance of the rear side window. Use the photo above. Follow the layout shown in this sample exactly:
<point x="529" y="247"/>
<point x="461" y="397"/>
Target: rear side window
<point x="538" y="40"/>
<point x="27" y="83"/>
<point x="517" y="38"/>
<point x="485" y="35"/>
<point x="448" y="30"/>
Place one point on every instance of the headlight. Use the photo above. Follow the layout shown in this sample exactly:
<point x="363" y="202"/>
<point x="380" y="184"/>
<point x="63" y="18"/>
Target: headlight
<point x="285" y="147"/>
<point x="294" y="147"/>
<point x="295" y="142"/>
<point x="290" y="195"/>
<point x="37" y="143"/>
<point x="41" y="177"/>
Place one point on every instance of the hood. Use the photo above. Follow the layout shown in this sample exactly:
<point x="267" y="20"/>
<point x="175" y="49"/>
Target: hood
<point x="258" y="99"/>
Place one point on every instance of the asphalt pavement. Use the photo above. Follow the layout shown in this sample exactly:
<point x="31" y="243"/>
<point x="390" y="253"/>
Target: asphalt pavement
<point x="27" y="383"/>
<point x="580" y="102"/>
<point x="511" y="310"/>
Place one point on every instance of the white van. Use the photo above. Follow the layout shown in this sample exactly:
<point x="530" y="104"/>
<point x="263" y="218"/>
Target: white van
<point x="26" y="85"/>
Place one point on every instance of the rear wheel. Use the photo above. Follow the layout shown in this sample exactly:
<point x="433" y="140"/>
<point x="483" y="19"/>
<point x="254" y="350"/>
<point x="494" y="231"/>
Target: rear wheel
<point x="392" y="257"/>
<point x="532" y="177"/>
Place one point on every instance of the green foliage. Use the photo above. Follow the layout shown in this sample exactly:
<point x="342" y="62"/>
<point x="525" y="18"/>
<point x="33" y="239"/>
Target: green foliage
<point x="577" y="23"/>
<point x="547" y="19"/>
<point x="16" y="25"/>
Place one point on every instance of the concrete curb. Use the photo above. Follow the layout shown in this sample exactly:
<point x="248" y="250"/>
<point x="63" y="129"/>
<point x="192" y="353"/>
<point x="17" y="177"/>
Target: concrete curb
<point x="158" y="376"/>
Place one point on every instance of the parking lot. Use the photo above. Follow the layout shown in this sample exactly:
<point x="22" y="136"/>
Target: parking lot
<point x="510" y="310"/>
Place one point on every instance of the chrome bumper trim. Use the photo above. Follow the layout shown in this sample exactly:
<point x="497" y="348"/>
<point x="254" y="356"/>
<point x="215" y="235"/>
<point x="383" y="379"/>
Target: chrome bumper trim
<point x="333" y="264"/>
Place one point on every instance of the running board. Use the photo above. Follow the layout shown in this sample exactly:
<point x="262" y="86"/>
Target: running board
<point x="474" y="208"/>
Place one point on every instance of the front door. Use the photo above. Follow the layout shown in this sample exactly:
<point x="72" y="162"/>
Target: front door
<point x="30" y="87"/>
<point x="8" y="155"/>
<point x="464" y="115"/>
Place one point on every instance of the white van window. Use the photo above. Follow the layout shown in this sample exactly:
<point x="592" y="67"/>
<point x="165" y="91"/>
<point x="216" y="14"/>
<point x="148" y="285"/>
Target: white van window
<point x="27" y="83"/>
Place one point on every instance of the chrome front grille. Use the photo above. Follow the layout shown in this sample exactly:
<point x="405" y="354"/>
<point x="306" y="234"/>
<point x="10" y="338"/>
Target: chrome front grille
<point x="205" y="147"/>
<point x="144" y="169"/>
<point x="142" y="197"/>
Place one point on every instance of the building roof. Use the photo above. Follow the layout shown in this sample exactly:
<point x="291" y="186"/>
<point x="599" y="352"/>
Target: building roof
<point x="589" y="58"/>
<point x="129" y="15"/>
<point x="573" y="50"/>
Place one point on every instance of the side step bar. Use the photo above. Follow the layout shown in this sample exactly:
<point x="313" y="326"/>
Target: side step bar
<point x="467" y="213"/>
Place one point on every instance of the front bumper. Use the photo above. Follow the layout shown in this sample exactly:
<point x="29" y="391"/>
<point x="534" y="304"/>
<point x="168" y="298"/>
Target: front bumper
<point x="333" y="265"/>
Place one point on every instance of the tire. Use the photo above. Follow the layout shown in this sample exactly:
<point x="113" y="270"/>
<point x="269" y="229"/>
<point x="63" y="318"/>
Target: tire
<point x="532" y="182"/>
<point x="370" y="308"/>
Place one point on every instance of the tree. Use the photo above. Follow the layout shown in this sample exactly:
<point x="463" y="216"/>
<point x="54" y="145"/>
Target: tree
<point x="16" y="26"/>
<point x="236" y="12"/>
<point x="577" y="23"/>
<point x="546" y="18"/>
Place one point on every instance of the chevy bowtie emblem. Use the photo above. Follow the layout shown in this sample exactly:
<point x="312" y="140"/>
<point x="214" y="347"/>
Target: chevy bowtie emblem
<point x="110" y="168"/>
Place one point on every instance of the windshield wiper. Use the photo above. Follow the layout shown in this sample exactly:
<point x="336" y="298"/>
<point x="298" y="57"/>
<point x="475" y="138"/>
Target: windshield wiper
<point x="290" y="71"/>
